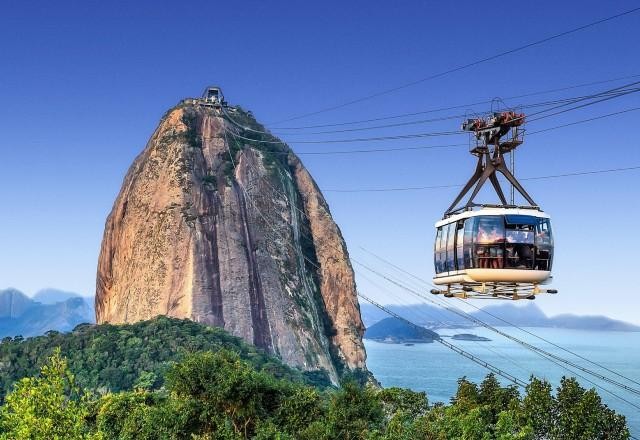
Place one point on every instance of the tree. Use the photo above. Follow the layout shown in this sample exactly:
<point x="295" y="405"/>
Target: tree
<point x="227" y="389"/>
<point x="354" y="412"/>
<point x="301" y="408"/>
<point x="467" y="395"/>
<point x="538" y="407"/>
<point x="49" y="407"/>
<point x="143" y="415"/>
<point x="496" y="397"/>
<point x="581" y="414"/>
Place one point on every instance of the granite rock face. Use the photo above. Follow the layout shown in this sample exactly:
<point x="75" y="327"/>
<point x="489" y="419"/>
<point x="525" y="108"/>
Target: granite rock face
<point x="213" y="226"/>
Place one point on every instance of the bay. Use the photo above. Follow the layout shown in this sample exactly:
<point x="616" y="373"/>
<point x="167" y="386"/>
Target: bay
<point x="435" y="369"/>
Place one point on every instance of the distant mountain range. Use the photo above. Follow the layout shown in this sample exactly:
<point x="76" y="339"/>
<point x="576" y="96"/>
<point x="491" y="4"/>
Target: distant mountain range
<point x="529" y="315"/>
<point x="53" y="309"/>
<point x="49" y="309"/>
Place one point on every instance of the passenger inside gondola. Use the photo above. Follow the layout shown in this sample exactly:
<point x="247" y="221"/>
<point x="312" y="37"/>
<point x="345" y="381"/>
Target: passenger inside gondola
<point x="489" y="239"/>
<point x="494" y="242"/>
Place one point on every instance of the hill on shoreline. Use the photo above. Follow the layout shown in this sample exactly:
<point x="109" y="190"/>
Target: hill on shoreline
<point x="394" y="330"/>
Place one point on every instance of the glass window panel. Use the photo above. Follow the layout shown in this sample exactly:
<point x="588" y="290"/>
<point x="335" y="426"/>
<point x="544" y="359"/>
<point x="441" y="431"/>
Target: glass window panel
<point x="543" y="232"/>
<point x="519" y="256"/>
<point x="489" y="230"/>
<point x="544" y="245"/>
<point x="520" y="220"/>
<point x="451" y="234"/>
<point x="459" y="247"/>
<point x="468" y="242"/>
<point x="520" y="233"/>
<point x="468" y="230"/>
<point x="437" y="251"/>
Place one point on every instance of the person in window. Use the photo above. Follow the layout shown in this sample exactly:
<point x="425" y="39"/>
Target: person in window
<point x="512" y="257"/>
<point x="482" y="257"/>
<point x="525" y="256"/>
<point x="495" y="236"/>
<point x="497" y="257"/>
<point x="542" y="237"/>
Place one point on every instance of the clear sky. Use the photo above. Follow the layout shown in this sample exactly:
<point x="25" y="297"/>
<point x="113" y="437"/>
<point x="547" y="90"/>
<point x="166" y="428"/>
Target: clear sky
<point x="83" y="85"/>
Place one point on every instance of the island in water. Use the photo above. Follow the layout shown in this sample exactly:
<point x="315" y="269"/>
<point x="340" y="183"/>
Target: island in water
<point x="469" y="337"/>
<point x="397" y="331"/>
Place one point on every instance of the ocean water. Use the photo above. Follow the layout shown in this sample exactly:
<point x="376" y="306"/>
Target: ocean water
<point x="435" y="369"/>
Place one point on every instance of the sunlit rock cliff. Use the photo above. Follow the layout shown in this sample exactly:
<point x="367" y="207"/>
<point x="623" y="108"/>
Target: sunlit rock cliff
<point x="233" y="233"/>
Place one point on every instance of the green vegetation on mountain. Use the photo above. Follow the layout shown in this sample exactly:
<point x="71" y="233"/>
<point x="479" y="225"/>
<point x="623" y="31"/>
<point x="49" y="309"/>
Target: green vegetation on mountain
<point x="217" y="395"/>
<point x="113" y="358"/>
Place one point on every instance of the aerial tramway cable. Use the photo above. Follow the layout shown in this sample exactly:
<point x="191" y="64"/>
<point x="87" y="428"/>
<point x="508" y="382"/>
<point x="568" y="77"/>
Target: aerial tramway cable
<point x="443" y="323"/>
<point x="535" y="348"/>
<point x="507" y="322"/>
<point x="460" y="106"/>
<point x="501" y="333"/>
<point x="457" y="185"/>
<point x="564" y="101"/>
<point x="603" y="96"/>
<point x="601" y="387"/>
<point x="458" y="350"/>
<point x="568" y="369"/>
<point x="463" y="67"/>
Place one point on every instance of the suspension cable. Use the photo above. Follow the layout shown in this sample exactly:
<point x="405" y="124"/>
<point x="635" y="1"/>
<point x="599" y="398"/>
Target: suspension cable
<point x="565" y="367"/>
<point x="463" y="67"/>
<point x="512" y="338"/>
<point x="504" y="320"/>
<point x="460" y="106"/>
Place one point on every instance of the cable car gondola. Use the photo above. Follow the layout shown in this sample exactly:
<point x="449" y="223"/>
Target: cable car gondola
<point x="493" y="251"/>
<point x="213" y="97"/>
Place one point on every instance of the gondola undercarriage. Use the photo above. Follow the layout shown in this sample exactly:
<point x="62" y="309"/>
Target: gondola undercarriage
<point x="492" y="290"/>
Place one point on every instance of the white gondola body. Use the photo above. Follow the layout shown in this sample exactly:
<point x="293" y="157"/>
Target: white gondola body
<point x="467" y="254"/>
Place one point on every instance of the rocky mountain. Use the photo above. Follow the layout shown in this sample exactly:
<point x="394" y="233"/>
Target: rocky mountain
<point x="13" y="303"/>
<point x="529" y="315"/>
<point x="21" y="315"/>
<point x="219" y="222"/>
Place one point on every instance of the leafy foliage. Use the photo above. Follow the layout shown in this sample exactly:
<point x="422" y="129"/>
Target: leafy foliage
<point x="224" y="393"/>
<point x="45" y="407"/>
<point x="113" y="358"/>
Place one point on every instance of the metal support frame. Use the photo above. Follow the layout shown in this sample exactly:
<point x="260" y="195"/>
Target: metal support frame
<point x="491" y="161"/>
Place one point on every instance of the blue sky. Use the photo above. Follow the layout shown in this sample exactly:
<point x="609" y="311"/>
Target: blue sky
<point x="83" y="85"/>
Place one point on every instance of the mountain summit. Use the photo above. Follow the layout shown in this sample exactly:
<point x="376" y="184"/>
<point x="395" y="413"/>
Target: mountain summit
<point x="219" y="222"/>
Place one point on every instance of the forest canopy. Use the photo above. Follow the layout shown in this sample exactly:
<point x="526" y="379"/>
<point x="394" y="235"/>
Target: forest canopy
<point x="229" y="390"/>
